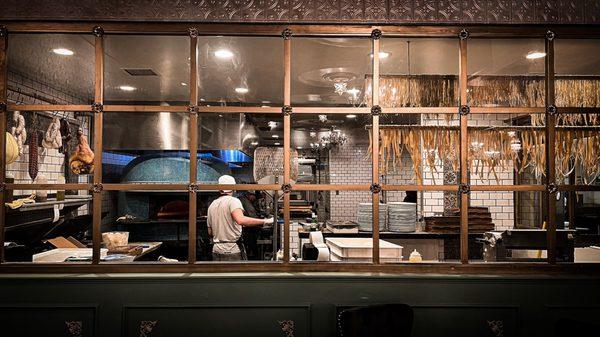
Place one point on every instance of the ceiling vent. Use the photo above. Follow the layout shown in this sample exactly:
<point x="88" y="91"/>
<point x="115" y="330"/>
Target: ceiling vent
<point x="140" y="71"/>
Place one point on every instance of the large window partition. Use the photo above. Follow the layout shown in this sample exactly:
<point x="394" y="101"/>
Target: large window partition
<point x="443" y="112"/>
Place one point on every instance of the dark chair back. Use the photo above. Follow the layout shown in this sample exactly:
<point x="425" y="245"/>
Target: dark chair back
<point x="382" y="320"/>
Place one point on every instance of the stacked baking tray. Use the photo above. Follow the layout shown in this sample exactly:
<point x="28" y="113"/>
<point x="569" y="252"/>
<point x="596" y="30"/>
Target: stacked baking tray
<point x="365" y="217"/>
<point x="361" y="250"/>
<point x="402" y="216"/>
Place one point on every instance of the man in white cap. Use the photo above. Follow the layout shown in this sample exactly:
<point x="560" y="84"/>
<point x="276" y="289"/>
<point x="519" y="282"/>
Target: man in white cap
<point x="225" y="220"/>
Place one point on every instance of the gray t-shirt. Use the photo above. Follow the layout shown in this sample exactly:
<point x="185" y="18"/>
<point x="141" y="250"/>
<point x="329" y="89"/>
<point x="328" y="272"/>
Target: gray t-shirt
<point x="225" y="230"/>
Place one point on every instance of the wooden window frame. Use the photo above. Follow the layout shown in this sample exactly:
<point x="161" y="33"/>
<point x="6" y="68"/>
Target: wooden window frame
<point x="462" y="34"/>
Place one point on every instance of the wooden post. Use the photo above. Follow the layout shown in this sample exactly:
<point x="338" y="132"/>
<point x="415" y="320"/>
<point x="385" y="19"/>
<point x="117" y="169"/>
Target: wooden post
<point x="3" y="115"/>
<point x="97" y="134"/>
<point x="193" y="146"/>
<point x="287" y="101"/>
<point x="375" y="111"/>
<point x="550" y="150"/>
<point x="464" y="150"/>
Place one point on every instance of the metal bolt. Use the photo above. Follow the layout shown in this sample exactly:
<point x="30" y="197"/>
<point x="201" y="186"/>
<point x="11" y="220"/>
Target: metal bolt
<point x="98" y="31"/>
<point x="375" y="110"/>
<point x="376" y="34"/>
<point x="286" y="34"/>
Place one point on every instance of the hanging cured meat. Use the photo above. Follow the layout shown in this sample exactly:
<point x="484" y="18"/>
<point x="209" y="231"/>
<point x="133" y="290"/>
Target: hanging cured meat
<point x="52" y="138"/>
<point x="33" y="150"/>
<point x="82" y="161"/>
<point x="65" y="134"/>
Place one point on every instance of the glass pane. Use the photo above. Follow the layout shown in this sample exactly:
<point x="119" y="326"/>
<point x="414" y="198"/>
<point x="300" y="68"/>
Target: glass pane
<point x="519" y="233"/>
<point x="145" y="226"/>
<point x="155" y="72"/>
<point x="577" y="73"/>
<point x="507" y="149"/>
<point x="61" y="154"/>
<point x="342" y="218"/>
<point x="158" y="154"/>
<point x="577" y="149"/>
<point x="419" y="149"/>
<point x="50" y="68"/>
<point x="38" y="232"/>
<point x="331" y="72"/>
<point x="254" y="238"/>
<point x="506" y="72"/>
<point x="418" y="73"/>
<point x="248" y="147"/>
<point x="332" y="149"/>
<point x="240" y="71"/>
<point x="427" y="226"/>
<point x="579" y="210"/>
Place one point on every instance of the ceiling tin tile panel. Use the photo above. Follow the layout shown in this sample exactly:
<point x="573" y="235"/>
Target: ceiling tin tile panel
<point x="308" y="11"/>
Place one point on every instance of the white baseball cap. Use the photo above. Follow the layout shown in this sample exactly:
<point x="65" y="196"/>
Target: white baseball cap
<point x="226" y="180"/>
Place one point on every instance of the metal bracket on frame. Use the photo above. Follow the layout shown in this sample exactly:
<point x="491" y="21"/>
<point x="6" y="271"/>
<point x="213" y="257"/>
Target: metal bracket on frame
<point x="97" y="107"/>
<point x="550" y="35"/>
<point x="193" y="188"/>
<point x="97" y="188"/>
<point x="3" y="31"/>
<point x="464" y="188"/>
<point x="375" y="188"/>
<point x="286" y="110"/>
<point x="286" y="188"/>
<point x="551" y="110"/>
<point x="375" y="110"/>
<point x="464" y="34"/>
<point x="98" y="31"/>
<point x="552" y="188"/>
<point x="464" y="110"/>
<point x="286" y="34"/>
<point x="193" y="109"/>
<point x="376" y="34"/>
<point x="193" y="32"/>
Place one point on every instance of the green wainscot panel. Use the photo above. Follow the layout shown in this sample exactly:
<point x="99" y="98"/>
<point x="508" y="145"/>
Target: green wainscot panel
<point x="47" y="321"/>
<point x="217" y="321"/>
<point x="465" y="321"/>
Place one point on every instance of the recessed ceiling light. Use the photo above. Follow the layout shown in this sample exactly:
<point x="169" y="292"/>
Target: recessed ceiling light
<point x="127" y="88"/>
<point x="532" y="55"/>
<point x="220" y="115"/>
<point x="224" y="54"/>
<point x="183" y="84"/>
<point x="299" y="147"/>
<point x="350" y="116"/>
<point x="241" y="90"/>
<point x="272" y="124"/>
<point x="254" y="143"/>
<point x="277" y="144"/>
<point x="264" y="106"/>
<point x="202" y="99"/>
<point x="63" y="51"/>
<point x="382" y="54"/>
<point x="275" y="136"/>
